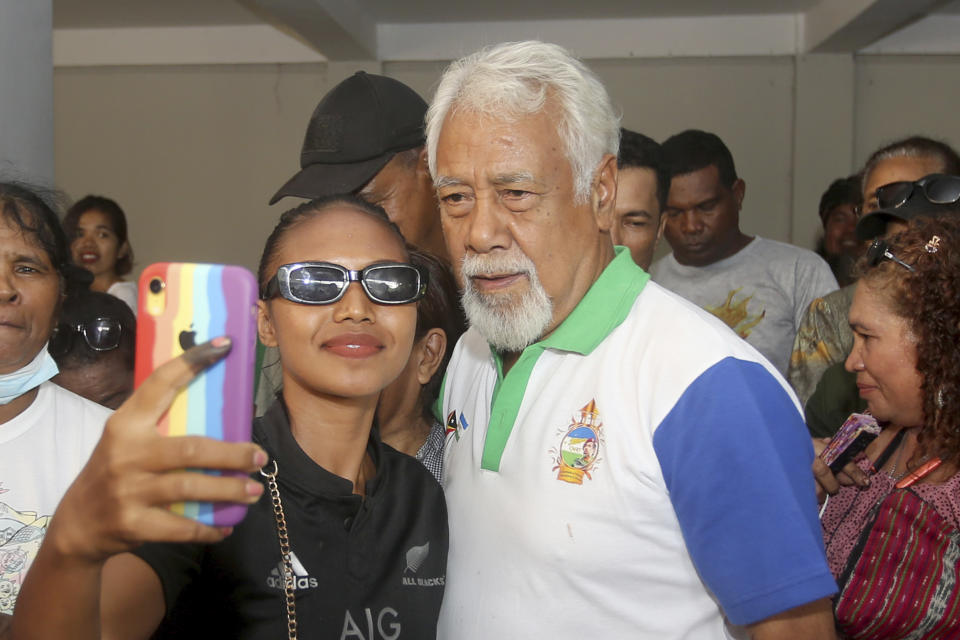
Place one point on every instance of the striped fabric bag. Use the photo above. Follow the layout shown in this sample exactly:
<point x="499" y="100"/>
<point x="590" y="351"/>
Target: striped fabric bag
<point x="903" y="578"/>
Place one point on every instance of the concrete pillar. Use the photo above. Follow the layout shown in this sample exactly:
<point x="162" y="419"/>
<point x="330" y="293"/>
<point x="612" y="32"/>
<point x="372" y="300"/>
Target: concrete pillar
<point x="26" y="90"/>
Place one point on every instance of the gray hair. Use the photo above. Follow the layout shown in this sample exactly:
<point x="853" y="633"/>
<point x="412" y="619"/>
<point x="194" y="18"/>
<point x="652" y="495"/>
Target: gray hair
<point x="515" y="79"/>
<point x="913" y="147"/>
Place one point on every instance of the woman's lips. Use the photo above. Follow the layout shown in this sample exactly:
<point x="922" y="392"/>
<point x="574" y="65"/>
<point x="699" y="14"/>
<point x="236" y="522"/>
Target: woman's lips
<point x="865" y="389"/>
<point x="88" y="257"/>
<point x="354" y="345"/>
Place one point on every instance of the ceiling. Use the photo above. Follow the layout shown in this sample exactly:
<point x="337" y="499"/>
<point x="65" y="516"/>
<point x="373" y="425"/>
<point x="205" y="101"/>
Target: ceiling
<point x="138" y="31"/>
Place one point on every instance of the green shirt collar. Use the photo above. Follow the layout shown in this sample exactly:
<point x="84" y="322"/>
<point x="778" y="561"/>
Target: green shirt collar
<point x="605" y="305"/>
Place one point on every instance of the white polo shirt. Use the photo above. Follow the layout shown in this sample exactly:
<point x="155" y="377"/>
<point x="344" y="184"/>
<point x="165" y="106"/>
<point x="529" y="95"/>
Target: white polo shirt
<point x="638" y="474"/>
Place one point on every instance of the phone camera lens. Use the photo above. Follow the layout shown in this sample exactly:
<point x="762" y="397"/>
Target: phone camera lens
<point x="156" y="285"/>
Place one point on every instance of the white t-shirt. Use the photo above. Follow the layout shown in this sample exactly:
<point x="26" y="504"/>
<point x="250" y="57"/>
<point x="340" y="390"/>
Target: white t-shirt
<point x="762" y="292"/>
<point x="126" y="291"/>
<point x="639" y="473"/>
<point x="41" y="452"/>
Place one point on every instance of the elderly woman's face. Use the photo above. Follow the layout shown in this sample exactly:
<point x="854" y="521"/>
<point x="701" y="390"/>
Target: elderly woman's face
<point x="29" y="291"/>
<point x="884" y="357"/>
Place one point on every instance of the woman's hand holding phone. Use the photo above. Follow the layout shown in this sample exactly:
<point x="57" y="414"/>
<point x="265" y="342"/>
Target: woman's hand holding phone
<point x="828" y="483"/>
<point x="121" y="497"/>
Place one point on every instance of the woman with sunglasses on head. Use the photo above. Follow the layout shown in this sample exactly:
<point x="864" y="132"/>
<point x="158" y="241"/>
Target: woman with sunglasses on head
<point x="362" y="527"/>
<point x="46" y="432"/>
<point x="97" y="229"/>
<point x="894" y="543"/>
<point x="93" y="345"/>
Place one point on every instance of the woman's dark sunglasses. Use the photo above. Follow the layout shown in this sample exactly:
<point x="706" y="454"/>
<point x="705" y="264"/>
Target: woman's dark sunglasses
<point x="879" y="251"/>
<point x="937" y="189"/>
<point x="100" y="334"/>
<point x="325" y="282"/>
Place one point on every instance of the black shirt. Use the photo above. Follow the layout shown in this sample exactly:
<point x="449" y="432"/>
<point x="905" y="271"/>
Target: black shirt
<point x="371" y="568"/>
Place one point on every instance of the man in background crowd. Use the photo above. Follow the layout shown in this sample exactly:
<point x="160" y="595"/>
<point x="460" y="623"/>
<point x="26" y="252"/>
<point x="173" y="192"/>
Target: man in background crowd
<point x="839" y="207"/>
<point x="760" y="288"/>
<point x="642" y="186"/>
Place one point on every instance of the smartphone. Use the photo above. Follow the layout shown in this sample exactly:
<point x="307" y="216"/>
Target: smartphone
<point x="183" y="304"/>
<point x="857" y="432"/>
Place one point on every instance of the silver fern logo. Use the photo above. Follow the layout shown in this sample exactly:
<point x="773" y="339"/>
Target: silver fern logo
<point x="416" y="556"/>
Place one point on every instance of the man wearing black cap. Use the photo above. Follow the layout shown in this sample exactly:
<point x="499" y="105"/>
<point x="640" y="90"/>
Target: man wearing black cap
<point x="366" y="137"/>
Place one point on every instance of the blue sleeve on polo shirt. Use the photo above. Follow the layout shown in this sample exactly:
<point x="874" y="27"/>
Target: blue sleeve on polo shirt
<point x="736" y="459"/>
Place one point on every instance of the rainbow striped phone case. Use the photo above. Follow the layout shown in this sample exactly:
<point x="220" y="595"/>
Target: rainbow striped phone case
<point x="182" y="304"/>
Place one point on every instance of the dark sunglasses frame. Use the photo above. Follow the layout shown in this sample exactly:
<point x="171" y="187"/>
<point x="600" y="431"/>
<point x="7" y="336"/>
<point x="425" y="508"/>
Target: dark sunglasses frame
<point x="937" y="189"/>
<point x="280" y="283"/>
<point x="879" y="250"/>
<point x="61" y="342"/>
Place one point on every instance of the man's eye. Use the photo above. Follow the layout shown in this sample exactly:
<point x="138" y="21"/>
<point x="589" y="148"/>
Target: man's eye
<point x="515" y="193"/>
<point x="453" y="198"/>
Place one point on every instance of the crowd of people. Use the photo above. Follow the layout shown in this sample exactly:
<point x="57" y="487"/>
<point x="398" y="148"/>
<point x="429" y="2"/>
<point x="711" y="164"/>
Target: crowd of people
<point x="485" y="410"/>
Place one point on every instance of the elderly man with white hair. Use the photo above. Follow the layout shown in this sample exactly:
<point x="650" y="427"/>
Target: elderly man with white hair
<point x="619" y="464"/>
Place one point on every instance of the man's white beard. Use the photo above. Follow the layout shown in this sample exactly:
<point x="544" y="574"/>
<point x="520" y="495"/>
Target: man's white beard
<point x="509" y="321"/>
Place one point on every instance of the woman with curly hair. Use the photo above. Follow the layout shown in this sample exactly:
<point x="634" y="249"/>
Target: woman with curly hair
<point x="894" y="544"/>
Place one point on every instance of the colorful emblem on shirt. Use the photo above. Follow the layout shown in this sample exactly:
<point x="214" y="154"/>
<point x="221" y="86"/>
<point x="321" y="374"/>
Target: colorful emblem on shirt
<point x="734" y="314"/>
<point x="455" y="425"/>
<point x="580" y="445"/>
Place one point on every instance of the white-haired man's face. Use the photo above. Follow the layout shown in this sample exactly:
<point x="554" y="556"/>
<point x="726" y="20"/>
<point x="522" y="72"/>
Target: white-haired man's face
<point x="524" y="252"/>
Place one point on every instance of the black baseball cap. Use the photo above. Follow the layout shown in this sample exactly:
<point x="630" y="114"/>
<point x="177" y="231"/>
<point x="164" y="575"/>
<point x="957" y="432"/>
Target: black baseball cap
<point x="355" y="130"/>
<point x="909" y="200"/>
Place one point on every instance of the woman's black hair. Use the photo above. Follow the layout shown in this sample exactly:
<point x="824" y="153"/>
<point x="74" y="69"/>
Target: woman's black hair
<point x="118" y="223"/>
<point x="439" y="308"/>
<point x="306" y="211"/>
<point x="32" y="210"/>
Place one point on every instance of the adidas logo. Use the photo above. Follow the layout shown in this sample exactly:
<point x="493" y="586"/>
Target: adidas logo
<point x="301" y="579"/>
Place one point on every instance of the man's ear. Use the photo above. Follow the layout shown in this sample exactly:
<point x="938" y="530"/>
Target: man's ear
<point x="429" y="350"/>
<point x="739" y="189"/>
<point x="265" y="325"/>
<point x="423" y="168"/>
<point x="604" y="192"/>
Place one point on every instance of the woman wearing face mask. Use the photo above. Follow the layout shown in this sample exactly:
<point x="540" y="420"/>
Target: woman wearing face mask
<point x="46" y="432"/>
<point x="362" y="527"/>
<point x="97" y="229"/>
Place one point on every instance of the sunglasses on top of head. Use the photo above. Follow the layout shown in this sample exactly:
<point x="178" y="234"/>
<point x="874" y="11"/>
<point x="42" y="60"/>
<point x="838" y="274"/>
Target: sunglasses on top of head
<point x="879" y="250"/>
<point x="100" y="334"/>
<point x="936" y="188"/>
<point x="325" y="282"/>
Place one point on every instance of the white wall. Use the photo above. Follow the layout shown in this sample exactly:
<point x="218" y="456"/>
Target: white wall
<point x="193" y="153"/>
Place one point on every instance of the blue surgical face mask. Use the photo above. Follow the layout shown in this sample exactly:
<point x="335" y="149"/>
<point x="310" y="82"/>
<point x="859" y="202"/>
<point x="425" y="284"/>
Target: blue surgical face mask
<point x="39" y="370"/>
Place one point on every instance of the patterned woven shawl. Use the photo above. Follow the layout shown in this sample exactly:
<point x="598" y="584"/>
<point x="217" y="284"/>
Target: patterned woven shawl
<point x="903" y="578"/>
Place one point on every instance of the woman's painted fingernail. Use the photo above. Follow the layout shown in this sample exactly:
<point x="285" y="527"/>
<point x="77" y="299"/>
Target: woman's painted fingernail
<point x="204" y="355"/>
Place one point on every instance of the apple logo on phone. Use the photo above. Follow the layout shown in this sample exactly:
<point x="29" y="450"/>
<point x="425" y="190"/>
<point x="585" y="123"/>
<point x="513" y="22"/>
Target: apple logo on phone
<point x="188" y="339"/>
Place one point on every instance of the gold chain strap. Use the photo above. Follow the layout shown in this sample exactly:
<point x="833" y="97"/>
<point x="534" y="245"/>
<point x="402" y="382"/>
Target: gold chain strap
<point x="288" y="577"/>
